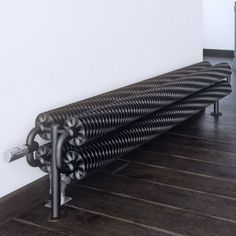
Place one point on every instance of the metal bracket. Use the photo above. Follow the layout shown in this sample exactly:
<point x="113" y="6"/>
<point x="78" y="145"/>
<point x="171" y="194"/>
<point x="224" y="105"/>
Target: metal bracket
<point x="65" y="180"/>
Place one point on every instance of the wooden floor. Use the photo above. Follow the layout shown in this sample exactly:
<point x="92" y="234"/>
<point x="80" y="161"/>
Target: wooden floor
<point x="182" y="183"/>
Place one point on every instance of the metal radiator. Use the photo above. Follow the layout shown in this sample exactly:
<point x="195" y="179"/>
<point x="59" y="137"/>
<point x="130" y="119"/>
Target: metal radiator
<point x="57" y="116"/>
<point x="89" y="134"/>
<point x="79" y="161"/>
<point x="99" y="121"/>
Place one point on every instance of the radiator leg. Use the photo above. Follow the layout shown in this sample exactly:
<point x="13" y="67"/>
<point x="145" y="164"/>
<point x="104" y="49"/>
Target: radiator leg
<point x="216" y="112"/>
<point x="55" y="179"/>
<point x="64" y="181"/>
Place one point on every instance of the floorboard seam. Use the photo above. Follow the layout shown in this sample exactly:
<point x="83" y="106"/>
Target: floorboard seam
<point x="120" y="168"/>
<point x="174" y="186"/>
<point x="204" y="149"/>
<point x="210" y="121"/>
<point x="159" y="204"/>
<point x="180" y="171"/>
<point x="36" y="225"/>
<point x="125" y="220"/>
<point x="188" y="158"/>
<point x="198" y="137"/>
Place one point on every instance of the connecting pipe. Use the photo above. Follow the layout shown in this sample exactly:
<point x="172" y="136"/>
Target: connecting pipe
<point x="30" y="142"/>
<point x="55" y="177"/>
<point x="61" y="140"/>
<point x="57" y="144"/>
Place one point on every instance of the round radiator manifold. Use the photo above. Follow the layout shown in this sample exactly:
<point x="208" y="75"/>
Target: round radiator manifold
<point x="44" y="155"/>
<point x="72" y="159"/>
<point x="74" y="123"/>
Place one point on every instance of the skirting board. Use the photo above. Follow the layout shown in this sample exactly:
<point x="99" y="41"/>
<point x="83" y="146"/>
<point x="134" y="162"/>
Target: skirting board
<point x="218" y="53"/>
<point x="24" y="199"/>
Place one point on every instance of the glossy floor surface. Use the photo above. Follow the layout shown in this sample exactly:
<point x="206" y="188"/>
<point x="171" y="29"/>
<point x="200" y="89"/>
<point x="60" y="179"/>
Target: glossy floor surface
<point x="182" y="183"/>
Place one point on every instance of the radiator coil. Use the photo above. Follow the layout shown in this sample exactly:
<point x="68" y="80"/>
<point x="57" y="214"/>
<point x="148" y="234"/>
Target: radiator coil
<point x="58" y="116"/>
<point x="85" y="159"/>
<point x="100" y="121"/>
<point x="80" y="161"/>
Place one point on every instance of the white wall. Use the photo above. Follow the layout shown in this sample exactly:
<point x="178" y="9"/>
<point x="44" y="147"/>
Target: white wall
<point x="59" y="51"/>
<point x="218" y="24"/>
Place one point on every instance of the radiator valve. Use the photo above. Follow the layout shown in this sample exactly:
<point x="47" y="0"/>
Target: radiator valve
<point x="19" y="152"/>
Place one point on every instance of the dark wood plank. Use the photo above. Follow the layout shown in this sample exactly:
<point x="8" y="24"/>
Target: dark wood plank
<point x="183" y="164"/>
<point x="88" y="223"/>
<point x="178" y="179"/>
<point x="206" y="121"/>
<point x="195" y="153"/>
<point x="162" y="194"/>
<point x="23" y="199"/>
<point x="214" y="130"/>
<point x="152" y="215"/>
<point x="191" y="142"/>
<point x="17" y="228"/>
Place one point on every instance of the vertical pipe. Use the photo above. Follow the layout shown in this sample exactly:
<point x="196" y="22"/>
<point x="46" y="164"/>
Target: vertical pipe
<point x="216" y="107"/>
<point x="55" y="186"/>
<point x="234" y="61"/>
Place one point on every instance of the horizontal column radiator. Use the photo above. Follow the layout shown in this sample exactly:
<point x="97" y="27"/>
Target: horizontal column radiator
<point x="79" y="161"/>
<point x="57" y="116"/>
<point x="102" y="120"/>
<point x="84" y="136"/>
